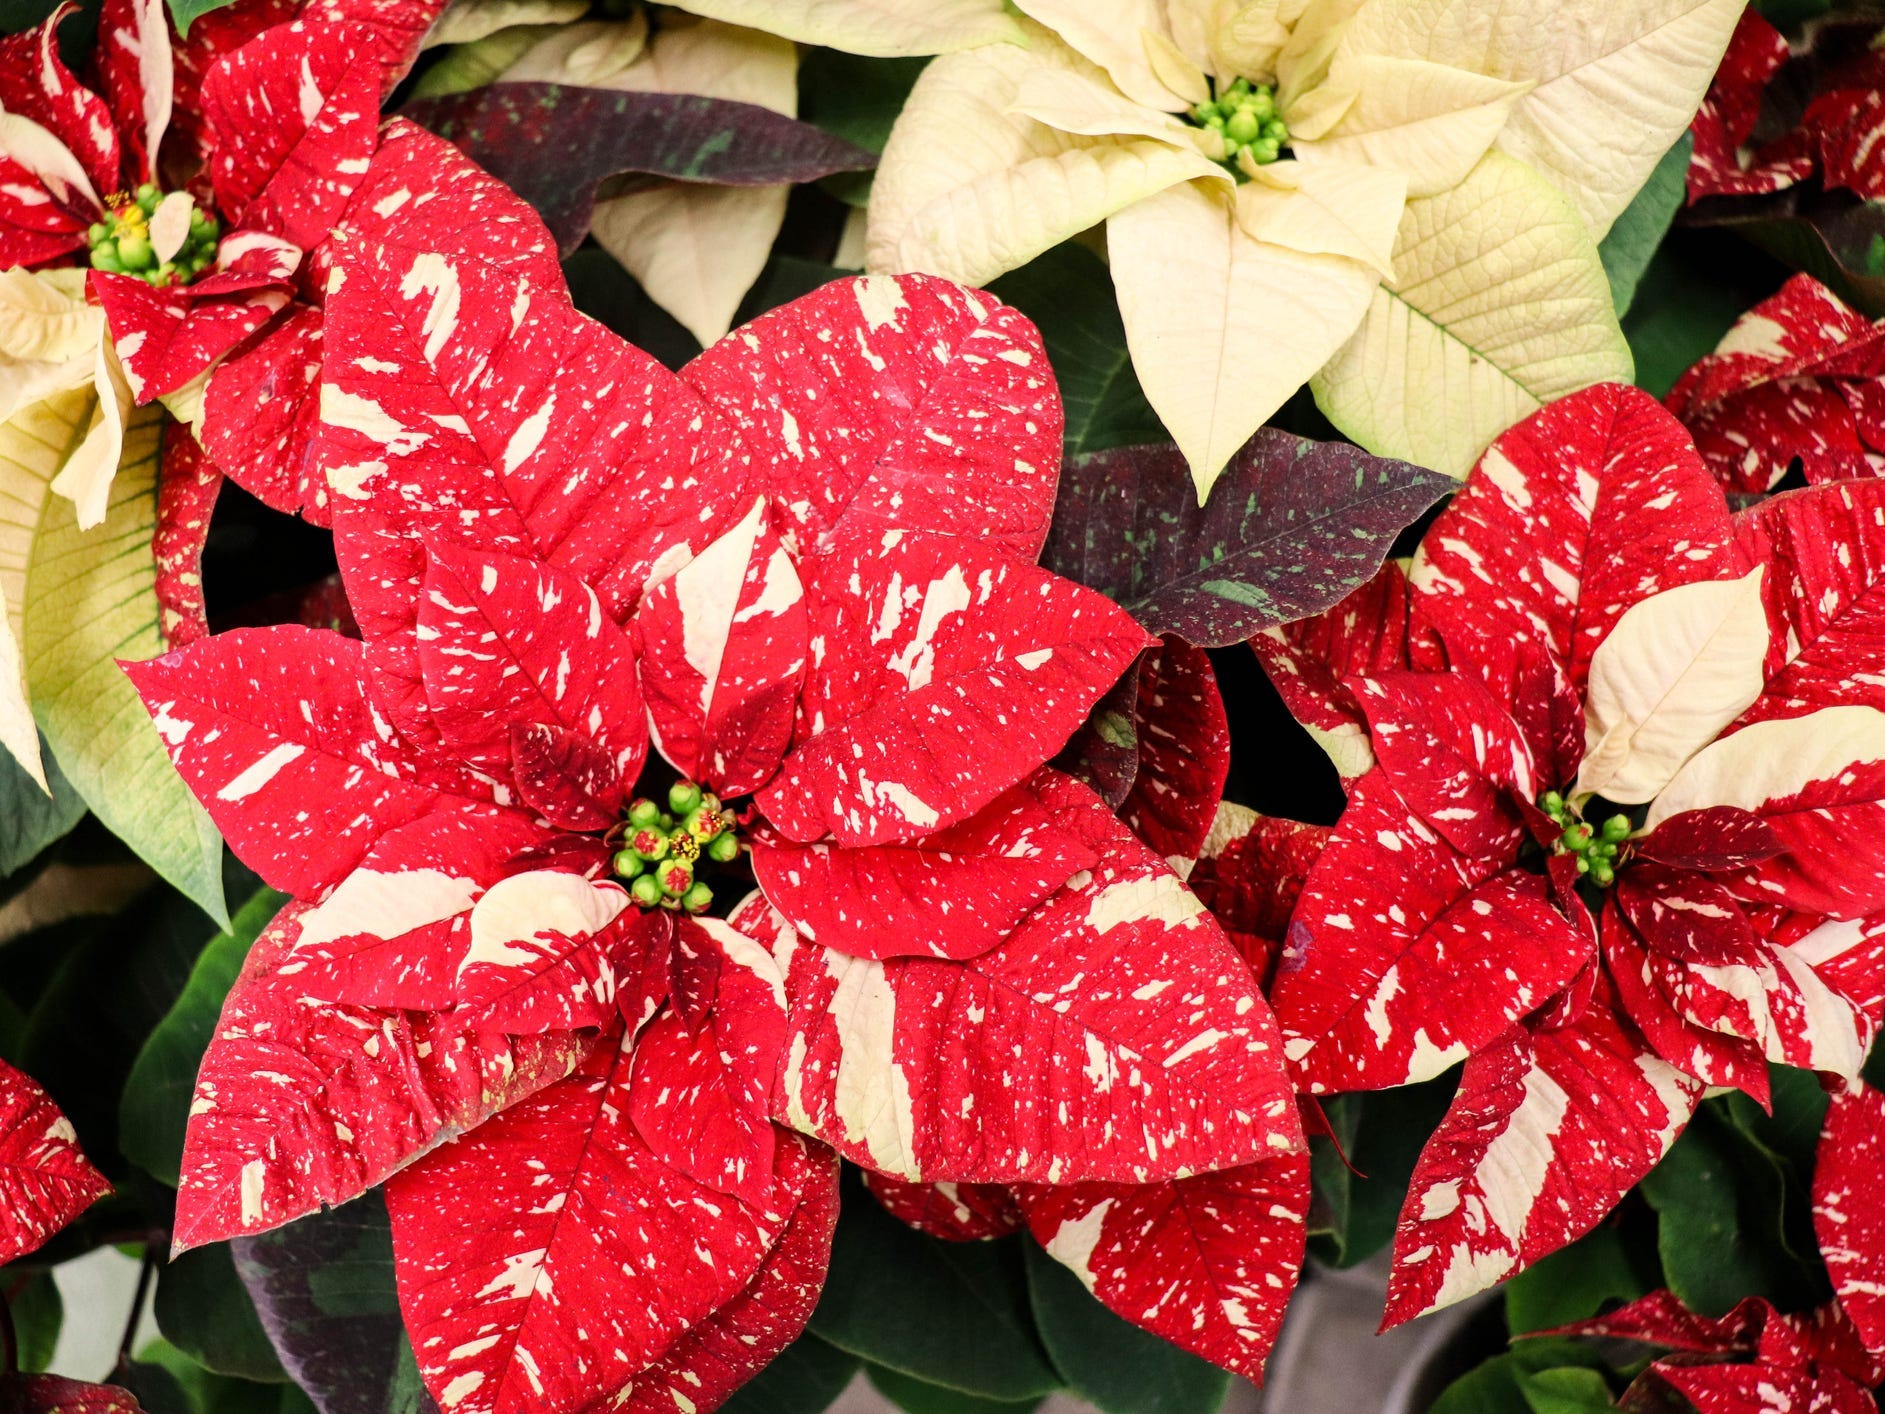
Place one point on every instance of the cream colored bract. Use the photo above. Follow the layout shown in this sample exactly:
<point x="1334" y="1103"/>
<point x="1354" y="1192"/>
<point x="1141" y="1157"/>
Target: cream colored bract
<point x="1426" y="249"/>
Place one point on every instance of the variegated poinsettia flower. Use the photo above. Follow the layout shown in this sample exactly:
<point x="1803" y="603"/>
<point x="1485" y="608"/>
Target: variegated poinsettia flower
<point x="696" y="248"/>
<point x="1396" y="199"/>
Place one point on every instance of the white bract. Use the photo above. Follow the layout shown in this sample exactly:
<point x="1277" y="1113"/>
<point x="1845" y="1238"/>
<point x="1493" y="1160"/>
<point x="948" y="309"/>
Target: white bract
<point x="1421" y="242"/>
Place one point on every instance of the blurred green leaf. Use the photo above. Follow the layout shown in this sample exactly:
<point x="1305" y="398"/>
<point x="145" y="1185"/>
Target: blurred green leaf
<point x="1068" y="293"/>
<point x="916" y="1397"/>
<point x="808" y="1375"/>
<point x="1566" y="1390"/>
<point x="29" y="818"/>
<point x="37" y="1312"/>
<point x="1382" y="1134"/>
<point x="857" y="99"/>
<point x="1639" y="229"/>
<point x="1575" y="1281"/>
<point x="203" y="1310"/>
<point x="1108" y="1361"/>
<point x="1499" y="1385"/>
<point x="1722" y="1222"/>
<point x="155" y="1105"/>
<point x="948" y="1313"/>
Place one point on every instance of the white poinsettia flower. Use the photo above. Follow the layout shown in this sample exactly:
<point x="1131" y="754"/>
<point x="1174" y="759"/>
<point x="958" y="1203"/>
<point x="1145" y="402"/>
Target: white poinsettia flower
<point x="1399" y="199"/>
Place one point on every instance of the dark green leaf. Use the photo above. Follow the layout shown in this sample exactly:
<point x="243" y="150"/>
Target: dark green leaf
<point x="323" y="1287"/>
<point x="203" y="1310"/>
<point x="948" y="1313"/>
<point x="145" y="955"/>
<point x="916" y="1397"/>
<point x="1639" y="229"/>
<point x="1109" y="1362"/>
<point x="1291" y="528"/>
<point x="167" y="1381"/>
<point x="853" y="97"/>
<point x="1068" y="293"/>
<point x="857" y="99"/>
<point x="1382" y="1134"/>
<point x="29" y="818"/>
<point x="1721" y="1223"/>
<point x="608" y="294"/>
<point x="1679" y="314"/>
<point x="808" y="1375"/>
<point x="37" y="1315"/>
<point x="156" y="1102"/>
<point x="1565" y="1390"/>
<point x="554" y="144"/>
<point x="1574" y="1282"/>
<point x="1498" y="1385"/>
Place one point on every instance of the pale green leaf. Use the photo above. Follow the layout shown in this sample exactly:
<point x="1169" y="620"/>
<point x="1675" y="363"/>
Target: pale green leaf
<point x="88" y="599"/>
<point x="1499" y="305"/>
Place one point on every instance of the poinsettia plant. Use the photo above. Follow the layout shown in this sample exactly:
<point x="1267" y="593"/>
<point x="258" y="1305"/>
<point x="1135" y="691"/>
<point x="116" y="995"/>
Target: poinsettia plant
<point x="765" y="860"/>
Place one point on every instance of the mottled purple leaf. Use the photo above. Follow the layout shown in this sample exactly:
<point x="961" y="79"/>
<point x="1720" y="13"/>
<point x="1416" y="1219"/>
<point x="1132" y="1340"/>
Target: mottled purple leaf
<point x="554" y="144"/>
<point x="323" y="1287"/>
<point x="1289" y="530"/>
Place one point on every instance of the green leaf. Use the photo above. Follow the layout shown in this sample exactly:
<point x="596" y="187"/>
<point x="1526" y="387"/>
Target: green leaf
<point x="1574" y="1282"/>
<point x="185" y="11"/>
<point x="167" y="1381"/>
<point x="1068" y="293"/>
<point x="1109" y="1362"/>
<point x="1632" y="242"/>
<point x="202" y="1309"/>
<point x="155" y="1106"/>
<point x="29" y="818"/>
<point x="916" y="1397"/>
<point x="38" y="1312"/>
<point x="857" y="99"/>
<point x="1722" y="1225"/>
<point x="1499" y="1385"/>
<point x="947" y="1313"/>
<point x="1498" y="306"/>
<point x="89" y="598"/>
<point x="1382" y="1134"/>
<point x="808" y="1375"/>
<point x="1567" y="1390"/>
<point x="854" y="97"/>
<point x="1680" y="312"/>
<point x="109" y="992"/>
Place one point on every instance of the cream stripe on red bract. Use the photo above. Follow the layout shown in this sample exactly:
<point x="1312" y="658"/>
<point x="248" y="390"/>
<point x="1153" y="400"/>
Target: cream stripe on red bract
<point x="1208" y="1261"/>
<point x="1548" y="1131"/>
<point x="1114" y="1035"/>
<point x="303" y="1104"/>
<point x="878" y="404"/>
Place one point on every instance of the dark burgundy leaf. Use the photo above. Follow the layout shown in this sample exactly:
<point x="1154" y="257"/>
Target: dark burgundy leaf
<point x="1292" y="526"/>
<point x="554" y="144"/>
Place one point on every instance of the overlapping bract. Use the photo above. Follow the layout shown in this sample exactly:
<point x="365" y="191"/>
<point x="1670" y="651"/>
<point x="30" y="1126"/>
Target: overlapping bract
<point x="45" y="1181"/>
<point x="806" y="562"/>
<point x="1799" y="376"/>
<point x="1588" y="625"/>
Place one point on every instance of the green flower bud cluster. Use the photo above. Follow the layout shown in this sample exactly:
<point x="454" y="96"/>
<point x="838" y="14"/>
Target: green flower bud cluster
<point x="662" y="848"/>
<point x="1596" y="848"/>
<point x="1245" y="116"/>
<point x="122" y="244"/>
